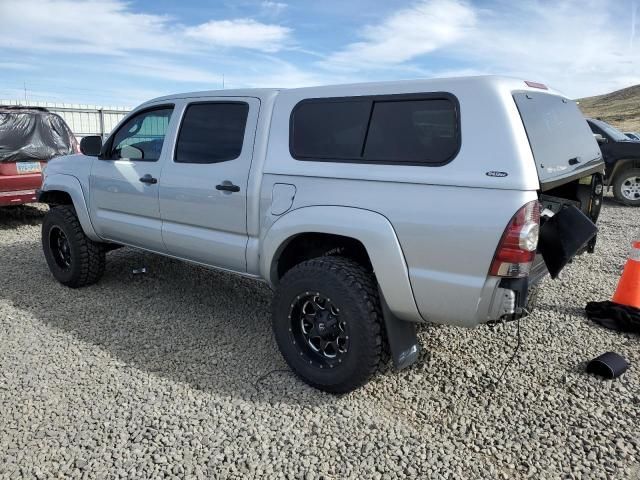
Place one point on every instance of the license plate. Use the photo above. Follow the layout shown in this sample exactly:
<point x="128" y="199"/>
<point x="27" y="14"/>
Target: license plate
<point x="28" y="167"/>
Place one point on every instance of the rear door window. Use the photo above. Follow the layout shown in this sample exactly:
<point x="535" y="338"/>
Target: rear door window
<point x="421" y="129"/>
<point x="212" y="132"/>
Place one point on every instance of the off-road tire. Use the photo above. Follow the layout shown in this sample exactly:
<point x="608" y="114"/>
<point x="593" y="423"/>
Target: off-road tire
<point x="618" y="181"/>
<point x="351" y="287"/>
<point x="87" y="256"/>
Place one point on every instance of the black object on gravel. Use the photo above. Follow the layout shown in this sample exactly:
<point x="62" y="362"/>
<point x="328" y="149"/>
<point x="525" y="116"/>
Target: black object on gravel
<point x="614" y="316"/>
<point x="608" y="365"/>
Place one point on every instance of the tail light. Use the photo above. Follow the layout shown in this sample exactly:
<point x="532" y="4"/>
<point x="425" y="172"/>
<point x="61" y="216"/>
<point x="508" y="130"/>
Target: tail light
<point x="517" y="248"/>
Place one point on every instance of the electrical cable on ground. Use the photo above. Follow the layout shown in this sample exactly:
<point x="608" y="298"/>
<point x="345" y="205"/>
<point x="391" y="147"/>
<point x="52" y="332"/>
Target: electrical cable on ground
<point x="495" y="385"/>
<point x="256" y="384"/>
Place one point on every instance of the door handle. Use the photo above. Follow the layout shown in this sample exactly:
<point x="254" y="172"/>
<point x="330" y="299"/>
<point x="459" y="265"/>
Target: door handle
<point x="228" y="187"/>
<point x="148" y="179"/>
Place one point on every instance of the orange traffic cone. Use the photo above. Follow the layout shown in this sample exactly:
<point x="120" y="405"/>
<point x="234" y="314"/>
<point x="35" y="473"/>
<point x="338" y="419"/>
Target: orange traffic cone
<point x="628" y="291"/>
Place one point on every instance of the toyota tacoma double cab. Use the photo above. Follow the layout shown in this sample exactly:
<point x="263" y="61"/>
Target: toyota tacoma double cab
<point x="622" y="159"/>
<point x="368" y="208"/>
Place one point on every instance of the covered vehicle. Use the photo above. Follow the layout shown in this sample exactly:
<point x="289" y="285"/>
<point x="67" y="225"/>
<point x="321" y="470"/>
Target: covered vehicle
<point x="29" y="137"/>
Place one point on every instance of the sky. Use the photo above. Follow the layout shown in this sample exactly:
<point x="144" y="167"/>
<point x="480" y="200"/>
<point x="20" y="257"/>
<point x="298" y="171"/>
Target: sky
<point x="121" y="53"/>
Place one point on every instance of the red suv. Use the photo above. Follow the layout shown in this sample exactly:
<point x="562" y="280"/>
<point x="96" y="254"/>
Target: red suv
<point x="29" y="137"/>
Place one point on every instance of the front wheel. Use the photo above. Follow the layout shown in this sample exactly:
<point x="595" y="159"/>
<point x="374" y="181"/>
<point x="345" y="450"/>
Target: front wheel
<point x="626" y="187"/>
<point x="73" y="258"/>
<point x="328" y="323"/>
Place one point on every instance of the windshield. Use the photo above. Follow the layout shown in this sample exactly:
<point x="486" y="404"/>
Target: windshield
<point x="613" y="132"/>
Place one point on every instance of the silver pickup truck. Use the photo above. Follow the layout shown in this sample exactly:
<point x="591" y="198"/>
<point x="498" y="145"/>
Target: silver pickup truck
<point x="368" y="208"/>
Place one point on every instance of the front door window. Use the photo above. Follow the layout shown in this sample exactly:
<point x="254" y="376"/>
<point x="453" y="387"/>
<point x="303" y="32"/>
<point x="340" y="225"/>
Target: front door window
<point x="142" y="136"/>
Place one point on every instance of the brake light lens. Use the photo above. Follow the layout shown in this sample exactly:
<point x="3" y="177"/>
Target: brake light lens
<point x="539" y="85"/>
<point x="517" y="248"/>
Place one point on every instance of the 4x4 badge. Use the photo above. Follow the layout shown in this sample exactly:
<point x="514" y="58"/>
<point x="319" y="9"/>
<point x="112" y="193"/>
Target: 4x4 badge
<point x="493" y="173"/>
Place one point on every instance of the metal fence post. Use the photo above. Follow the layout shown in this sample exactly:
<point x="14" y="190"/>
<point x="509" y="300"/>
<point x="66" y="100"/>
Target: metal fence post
<point x="101" y="115"/>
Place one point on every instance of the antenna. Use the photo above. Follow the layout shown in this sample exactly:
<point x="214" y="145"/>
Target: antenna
<point x="25" y="92"/>
<point x="223" y="81"/>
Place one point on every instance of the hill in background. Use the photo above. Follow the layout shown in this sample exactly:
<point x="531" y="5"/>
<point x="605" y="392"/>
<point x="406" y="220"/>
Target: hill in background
<point x="620" y="108"/>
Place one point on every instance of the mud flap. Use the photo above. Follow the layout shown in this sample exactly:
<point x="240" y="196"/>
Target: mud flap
<point x="402" y="338"/>
<point x="564" y="235"/>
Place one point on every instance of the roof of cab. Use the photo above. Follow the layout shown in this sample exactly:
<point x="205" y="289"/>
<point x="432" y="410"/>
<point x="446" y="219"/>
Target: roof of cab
<point x="440" y="84"/>
<point x="241" y="92"/>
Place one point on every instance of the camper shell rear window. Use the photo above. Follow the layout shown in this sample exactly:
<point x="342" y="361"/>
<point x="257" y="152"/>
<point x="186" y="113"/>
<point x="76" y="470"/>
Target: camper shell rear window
<point x="404" y="129"/>
<point x="560" y="138"/>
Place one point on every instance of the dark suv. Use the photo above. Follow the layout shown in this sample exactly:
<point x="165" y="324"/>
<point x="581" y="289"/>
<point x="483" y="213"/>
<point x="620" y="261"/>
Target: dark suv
<point x="622" y="161"/>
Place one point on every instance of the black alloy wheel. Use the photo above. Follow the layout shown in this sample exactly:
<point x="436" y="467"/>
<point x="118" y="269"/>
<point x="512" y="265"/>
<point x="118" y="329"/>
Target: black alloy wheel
<point x="317" y="326"/>
<point x="60" y="249"/>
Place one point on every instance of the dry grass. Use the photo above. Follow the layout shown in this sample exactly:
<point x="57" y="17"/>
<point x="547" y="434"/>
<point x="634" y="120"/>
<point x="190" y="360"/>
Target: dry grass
<point x="620" y="108"/>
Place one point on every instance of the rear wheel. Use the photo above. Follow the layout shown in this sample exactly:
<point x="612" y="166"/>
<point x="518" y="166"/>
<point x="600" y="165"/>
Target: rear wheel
<point x="73" y="258"/>
<point x="327" y="323"/>
<point x="626" y="186"/>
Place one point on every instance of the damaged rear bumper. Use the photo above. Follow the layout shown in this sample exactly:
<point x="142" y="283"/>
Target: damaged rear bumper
<point x="562" y="237"/>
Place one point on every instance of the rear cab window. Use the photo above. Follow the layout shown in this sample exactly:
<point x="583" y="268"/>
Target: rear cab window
<point x="413" y="129"/>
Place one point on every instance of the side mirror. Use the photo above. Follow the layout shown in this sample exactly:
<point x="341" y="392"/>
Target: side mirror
<point x="599" y="138"/>
<point x="91" y="145"/>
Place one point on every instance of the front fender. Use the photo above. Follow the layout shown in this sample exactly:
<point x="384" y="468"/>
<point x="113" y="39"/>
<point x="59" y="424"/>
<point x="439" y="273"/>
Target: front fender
<point x="373" y="230"/>
<point x="71" y="185"/>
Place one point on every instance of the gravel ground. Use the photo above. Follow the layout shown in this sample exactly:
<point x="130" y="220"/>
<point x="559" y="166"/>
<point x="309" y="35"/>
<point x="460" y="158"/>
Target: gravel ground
<point x="159" y="375"/>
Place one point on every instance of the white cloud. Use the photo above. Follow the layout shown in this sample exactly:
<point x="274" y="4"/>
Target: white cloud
<point x="581" y="47"/>
<point x="245" y="33"/>
<point x="274" y="8"/>
<point x="167" y="69"/>
<point x="92" y="26"/>
<point x="271" y="71"/>
<point x="425" y="27"/>
<point x="16" y="66"/>
<point x="111" y="27"/>
<point x="578" y="46"/>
